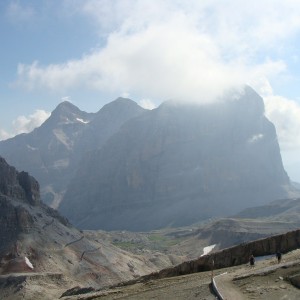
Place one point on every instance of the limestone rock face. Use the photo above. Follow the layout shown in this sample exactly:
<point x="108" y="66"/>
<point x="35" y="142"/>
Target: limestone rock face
<point x="52" y="151"/>
<point x="23" y="190"/>
<point x="18" y="185"/>
<point x="179" y="164"/>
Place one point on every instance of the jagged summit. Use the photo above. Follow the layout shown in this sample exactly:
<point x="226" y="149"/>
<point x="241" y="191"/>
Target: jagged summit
<point x="65" y="106"/>
<point x="67" y="113"/>
<point x="18" y="185"/>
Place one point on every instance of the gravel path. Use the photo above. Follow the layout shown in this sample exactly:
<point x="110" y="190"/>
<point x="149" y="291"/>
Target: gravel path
<point x="266" y="280"/>
<point x="226" y="287"/>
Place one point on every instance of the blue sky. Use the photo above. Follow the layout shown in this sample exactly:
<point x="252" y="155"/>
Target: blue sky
<point x="90" y="52"/>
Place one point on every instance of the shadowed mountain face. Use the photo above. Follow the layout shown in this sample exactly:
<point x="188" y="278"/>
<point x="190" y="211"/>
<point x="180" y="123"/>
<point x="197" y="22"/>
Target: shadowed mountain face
<point x="178" y="164"/>
<point x="19" y="198"/>
<point x="24" y="188"/>
<point x="42" y="254"/>
<point x="51" y="152"/>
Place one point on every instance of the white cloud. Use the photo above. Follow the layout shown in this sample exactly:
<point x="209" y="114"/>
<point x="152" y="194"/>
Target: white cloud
<point x="284" y="113"/>
<point x="166" y="49"/>
<point x="147" y="104"/>
<point x="66" y="98"/>
<point x="24" y="124"/>
<point x="193" y="49"/>
<point x="167" y="60"/>
<point x="125" y="95"/>
<point x="4" y="134"/>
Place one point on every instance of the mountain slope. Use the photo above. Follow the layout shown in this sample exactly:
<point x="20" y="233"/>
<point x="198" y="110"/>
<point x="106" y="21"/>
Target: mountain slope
<point x="52" y="152"/>
<point x="42" y="254"/>
<point x="283" y="210"/>
<point x="178" y="164"/>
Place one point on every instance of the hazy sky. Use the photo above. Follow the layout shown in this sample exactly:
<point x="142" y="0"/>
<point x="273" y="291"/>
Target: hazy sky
<point x="90" y="52"/>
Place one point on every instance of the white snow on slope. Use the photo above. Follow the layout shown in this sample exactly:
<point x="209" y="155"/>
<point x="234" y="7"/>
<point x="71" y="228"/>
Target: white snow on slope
<point x="28" y="263"/>
<point x="207" y="249"/>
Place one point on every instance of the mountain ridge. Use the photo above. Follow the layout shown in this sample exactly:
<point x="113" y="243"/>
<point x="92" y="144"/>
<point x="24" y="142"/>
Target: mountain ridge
<point x="52" y="151"/>
<point x="178" y="164"/>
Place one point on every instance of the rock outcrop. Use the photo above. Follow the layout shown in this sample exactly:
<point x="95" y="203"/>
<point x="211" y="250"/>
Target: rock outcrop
<point x="18" y="185"/>
<point x="17" y="190"/>
<point x="179" y="164"/>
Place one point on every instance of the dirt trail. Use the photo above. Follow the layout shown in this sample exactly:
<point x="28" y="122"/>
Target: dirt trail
<point x="226" y="288"/>
<point x="266" y="280"/>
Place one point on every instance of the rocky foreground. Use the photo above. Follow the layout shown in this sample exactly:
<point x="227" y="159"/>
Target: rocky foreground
<point x="266" y="280"/>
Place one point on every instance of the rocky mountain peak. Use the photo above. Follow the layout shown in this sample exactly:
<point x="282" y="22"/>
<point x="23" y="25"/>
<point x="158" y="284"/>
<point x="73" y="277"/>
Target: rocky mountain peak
<point x="66" y="107"/>
<point x="67" y="113"/>
<point x="18" y="185"/>
<point x="120" y="106"/>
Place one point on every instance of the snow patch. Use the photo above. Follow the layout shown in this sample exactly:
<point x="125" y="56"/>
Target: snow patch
<point x="82" y="121"/>
<point x="255" y="138"/>
<point x="31" y="148"/>
<point x="28" y="263"/>
<point x="208" y="249"/>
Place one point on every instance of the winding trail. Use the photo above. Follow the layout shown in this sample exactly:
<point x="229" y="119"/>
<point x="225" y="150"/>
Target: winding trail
<point x="224" y="283"/>
<point x="89" y="251"/>
<point x="225" y="288"/>
<point x="73" y="242"/>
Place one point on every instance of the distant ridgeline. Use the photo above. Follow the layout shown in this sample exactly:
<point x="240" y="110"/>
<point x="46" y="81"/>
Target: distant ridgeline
<point x="129" y="168"/>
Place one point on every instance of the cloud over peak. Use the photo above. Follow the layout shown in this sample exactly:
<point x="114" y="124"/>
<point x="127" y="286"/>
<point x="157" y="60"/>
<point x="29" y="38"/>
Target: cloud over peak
<point x="163" y="49"/>
<point x="172" y="54"/>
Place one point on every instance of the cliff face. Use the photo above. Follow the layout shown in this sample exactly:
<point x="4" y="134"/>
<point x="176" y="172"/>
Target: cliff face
<point x="23" y="190"/>
<point x="51" y="152"/>
<point x="178" y="164"/>
<point x="18" y="185"/>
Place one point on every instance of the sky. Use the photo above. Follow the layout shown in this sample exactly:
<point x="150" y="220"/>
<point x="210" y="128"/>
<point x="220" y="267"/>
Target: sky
<point x="91" y="52"/>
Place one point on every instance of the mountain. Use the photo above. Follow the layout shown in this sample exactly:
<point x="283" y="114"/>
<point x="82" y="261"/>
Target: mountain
<point x="283" y="210"/>
<point x="42" y="254"/>
<point x="52" y="151"/>
<point x="179" y="164"/>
